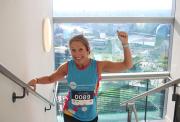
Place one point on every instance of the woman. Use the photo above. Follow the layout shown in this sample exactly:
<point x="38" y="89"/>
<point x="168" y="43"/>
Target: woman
<point x="83" y="75"/>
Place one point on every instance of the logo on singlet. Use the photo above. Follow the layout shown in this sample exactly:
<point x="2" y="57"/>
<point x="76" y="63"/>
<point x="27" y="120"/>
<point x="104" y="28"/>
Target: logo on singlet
<point x="73" y="85"/>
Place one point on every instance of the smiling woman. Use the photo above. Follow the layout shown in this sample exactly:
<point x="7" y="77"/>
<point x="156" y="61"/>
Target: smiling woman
<point x="83" y="75"/>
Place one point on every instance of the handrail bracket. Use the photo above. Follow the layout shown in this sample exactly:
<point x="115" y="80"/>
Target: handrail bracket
<point x="14" y="96"/>
<point x="45" y="109"/>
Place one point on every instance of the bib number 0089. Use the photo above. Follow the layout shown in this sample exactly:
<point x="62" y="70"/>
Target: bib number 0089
<point x="82" y="97"/>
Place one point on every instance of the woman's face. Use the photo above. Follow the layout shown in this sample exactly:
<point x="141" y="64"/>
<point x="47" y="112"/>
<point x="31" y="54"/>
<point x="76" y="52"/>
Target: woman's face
<point x="79" y="53"/>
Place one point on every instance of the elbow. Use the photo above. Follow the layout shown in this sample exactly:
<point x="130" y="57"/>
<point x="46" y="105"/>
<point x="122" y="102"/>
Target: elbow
<point x="129" y="65"/>
<point x="128" y="62"/>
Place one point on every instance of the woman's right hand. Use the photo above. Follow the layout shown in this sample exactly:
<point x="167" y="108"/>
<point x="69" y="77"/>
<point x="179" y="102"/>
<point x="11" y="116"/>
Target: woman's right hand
<point x="123" y="37"/>
<point x="32" y="83"/>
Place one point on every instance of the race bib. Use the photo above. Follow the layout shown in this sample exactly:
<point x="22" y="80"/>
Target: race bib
<point x="82" y="97"/>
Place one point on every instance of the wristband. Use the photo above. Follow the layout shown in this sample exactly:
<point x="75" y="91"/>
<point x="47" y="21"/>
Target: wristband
<point x="125" y="45"/>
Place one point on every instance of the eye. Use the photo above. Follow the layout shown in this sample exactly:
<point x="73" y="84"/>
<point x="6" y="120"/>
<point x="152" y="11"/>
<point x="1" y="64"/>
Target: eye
<point x="81" y="49"/>
<point x="73" y="50"/>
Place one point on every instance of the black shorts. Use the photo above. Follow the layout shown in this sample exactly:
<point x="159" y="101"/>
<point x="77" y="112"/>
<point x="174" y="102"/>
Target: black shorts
<point x="68" y="118"/>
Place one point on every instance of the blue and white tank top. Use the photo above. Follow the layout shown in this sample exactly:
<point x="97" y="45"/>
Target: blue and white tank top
<point x="83" y="85"/>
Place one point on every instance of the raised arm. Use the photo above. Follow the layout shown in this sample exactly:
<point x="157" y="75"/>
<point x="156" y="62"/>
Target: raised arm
<point x="109" y="66"/>
<point x="55" y="76"/>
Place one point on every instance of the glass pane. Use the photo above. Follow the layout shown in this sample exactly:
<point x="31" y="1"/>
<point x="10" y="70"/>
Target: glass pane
<point x="112" y="93"/>
<point x="112" y="8"/>
<point x="157" y="100"/>
<point x="148" y="42"/>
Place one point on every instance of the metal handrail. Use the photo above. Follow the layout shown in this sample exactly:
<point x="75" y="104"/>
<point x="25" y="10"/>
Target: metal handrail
<point x="135" y="76"/>
<point x="131" y="76"/>
<point x="19" y="82"/>
<point x="162" y="87"/>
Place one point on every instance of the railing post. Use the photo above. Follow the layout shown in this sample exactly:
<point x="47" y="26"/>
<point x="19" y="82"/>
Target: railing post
<point x="147" y="88"/>
<point x="177" y="109"/>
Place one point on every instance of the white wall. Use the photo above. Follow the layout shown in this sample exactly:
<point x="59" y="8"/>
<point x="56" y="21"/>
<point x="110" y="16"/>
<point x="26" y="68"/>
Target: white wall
<point x="22" y="53"/>
<point x="175" y="65"/>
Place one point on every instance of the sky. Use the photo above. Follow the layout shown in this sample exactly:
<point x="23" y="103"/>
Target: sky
<point x="111" y="5"/>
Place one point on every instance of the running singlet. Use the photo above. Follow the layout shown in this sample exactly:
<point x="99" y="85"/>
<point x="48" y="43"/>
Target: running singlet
<point x="82" y="96"/>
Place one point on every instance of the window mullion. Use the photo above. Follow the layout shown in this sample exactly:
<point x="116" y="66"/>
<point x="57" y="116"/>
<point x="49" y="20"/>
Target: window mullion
<point x="113" y="19"/>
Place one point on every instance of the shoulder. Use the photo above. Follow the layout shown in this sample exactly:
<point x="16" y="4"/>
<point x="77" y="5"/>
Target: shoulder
<point x="100" y="65"/>
<point x="95" y="62"/>
<point x="65" y="64"/>
<point x="63" y="68"/>
<point x="104" y="66"/>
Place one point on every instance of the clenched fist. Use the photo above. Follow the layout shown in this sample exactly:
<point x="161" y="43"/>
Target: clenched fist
<point x="123" y="36"/>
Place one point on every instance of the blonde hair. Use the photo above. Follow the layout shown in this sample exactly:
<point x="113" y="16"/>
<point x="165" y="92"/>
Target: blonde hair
<point x="82" y="39"/>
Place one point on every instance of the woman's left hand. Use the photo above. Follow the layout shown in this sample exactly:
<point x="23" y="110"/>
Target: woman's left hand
<point x="123" y="36"/>
<point x="32" y="84"/>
